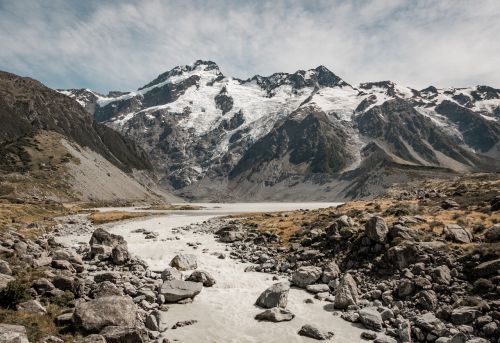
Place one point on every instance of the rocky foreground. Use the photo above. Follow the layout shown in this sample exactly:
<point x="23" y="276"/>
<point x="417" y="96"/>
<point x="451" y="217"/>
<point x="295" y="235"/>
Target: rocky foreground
<point x="418" y="265"/>
<point x="97" y="293"/>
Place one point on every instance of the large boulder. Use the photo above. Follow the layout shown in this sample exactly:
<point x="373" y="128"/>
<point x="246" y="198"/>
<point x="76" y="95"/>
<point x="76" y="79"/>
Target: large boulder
<point x="122" y="334"/>
<point x="429" y="322"/>
<point x="202" y="276"/>
<point x="170" y="273"/>
<point x="175" y="290"/>
<point x="371" y="318"/>
<point x="346" y="292"/>
<point x="94" y="315"/>
<point x="184" y="262"/>
<point x="13" y="334"/>
<point x="464" y="315"/>
<point x="103" y="242"/>
<point x="306" y="275"/>
<point x="376" y="229"/>
<point x="31" y="306"/>
<point x="458" y="234"/>
<point x="275" y="296"/>
<point x="275" y="314"/>
<point x="230" y="233"/>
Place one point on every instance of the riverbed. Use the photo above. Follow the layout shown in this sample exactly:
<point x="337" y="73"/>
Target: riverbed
<point x="226" y="311"/>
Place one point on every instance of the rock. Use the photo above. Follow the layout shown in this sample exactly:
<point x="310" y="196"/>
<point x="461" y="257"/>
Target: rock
<point x="5" y="268"/>
<point x="369" y="336"/>
<point x="275" y="296"/>
<point x="429" y="322"/>
<point x="4" y="280"/>
<point x="42" y="285"/>
<point x="406" y="288"/>
<point x="441" y="275"/>
<point x="122" y="334"/>
<point x="404" y="331"/>
<point x="464" y="315"/>
<point x="175" y="290"/>
<point x="102" y="237"/>
<point x="202" y="276"/>
<point x="457" y="234"/>
<point x="13" y="334"/>
<point x="184" y="323"/>
<point x="448" y="204"/>
<point x="371" y="318"/>
<point x="51" y="339"/>
<point x="64" y="283"/>
<point x="318" y="288"/>
<point x="487" y="268"/>
<point x="491" y="236"/>
<point x="184" y="262"/>
<point x="63" y="264"/>
<point x="110" y="276"/>
<point x="64" y="319"/>
<point x="230" y="234"/>
<point x="400" y="231"/>
<point x="427" y="299"/>
<point x="31" y="306"/>
<point x="120" y="254"/>
<point x="385" y="340"/>
<point x="275" y="314"/>
<point x="92" y="339"/>
<point x="106" y="289"/>
<point x="306" y="275"/>
<point x="331" y="272"/>
<point x="376" y="229"/>
<point x="402" y="255"/>
<point x="350" y="316"/>
<point x="346" y="293"/>
<point x="170" y="273"/>
<point x="94" y="315"/>
<point x="313" y="332"/>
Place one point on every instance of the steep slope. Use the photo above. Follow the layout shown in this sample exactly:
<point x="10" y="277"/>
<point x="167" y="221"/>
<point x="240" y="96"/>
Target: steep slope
<point x="213" y="136"/>
<point x="56" y="145"/>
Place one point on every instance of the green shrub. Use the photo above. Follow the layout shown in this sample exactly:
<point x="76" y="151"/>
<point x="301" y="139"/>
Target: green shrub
<point x="13" y="294"/>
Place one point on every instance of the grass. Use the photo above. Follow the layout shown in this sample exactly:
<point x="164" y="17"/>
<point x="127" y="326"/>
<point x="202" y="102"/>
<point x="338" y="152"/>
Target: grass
<point x="113" y="216"/>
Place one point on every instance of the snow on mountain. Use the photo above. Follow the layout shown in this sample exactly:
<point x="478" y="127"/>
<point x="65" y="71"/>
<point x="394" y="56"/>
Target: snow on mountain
<point x="198" y="123"/>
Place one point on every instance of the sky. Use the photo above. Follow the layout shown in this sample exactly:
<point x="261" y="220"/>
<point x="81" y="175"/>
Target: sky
<point x="121" y="45"/>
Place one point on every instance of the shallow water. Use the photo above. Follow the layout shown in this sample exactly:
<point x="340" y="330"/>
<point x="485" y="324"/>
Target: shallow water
<point x="225" y="312"/>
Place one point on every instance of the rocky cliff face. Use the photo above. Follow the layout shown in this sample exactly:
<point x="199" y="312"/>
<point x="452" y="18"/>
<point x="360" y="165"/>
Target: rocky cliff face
<point x="207" y="133"/>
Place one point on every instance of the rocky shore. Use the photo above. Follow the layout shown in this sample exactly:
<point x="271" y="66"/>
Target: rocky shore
<point x="391" y="264"/>
<point x="96" y="293"/>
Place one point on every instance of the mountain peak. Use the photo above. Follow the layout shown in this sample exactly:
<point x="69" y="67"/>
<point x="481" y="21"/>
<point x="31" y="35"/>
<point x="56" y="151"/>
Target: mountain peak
<point x="180" y="70"/>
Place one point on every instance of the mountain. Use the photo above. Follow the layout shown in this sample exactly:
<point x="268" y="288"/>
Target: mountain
<point x="304" y="136"/>
<point x="52" y="148"/>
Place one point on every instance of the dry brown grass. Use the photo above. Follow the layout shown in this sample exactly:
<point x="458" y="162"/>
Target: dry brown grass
<point x="20" y="216"/>
<point x="113" y="216"/>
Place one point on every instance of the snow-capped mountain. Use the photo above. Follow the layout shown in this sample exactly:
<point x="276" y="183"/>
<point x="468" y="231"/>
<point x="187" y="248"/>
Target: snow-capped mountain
<point x="306" y="135"/>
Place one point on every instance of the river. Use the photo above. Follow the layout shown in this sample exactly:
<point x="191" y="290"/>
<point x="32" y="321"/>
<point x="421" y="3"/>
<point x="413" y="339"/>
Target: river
<point x="225" y="312"/>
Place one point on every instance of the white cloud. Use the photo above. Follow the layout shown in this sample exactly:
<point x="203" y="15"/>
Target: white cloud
<point x="123" y="45"/>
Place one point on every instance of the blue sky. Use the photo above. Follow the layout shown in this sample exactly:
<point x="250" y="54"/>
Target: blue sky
<point x="121" y="45"/>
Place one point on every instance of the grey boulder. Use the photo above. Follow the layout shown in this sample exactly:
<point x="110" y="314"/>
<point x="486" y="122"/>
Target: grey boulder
<point x="175" y="290"/>
<point x="346" y="292"/>
<point x="275" y="296"/>
<point x="376" y="229"/>
<point x="202" y="276"/>
<point x="306" y="275"/>
<point x="371" y="318"/>
<point x="275" y="314"/>
<point x="184" y="262"/>
<point x="92" y="316"/>
<point x="13" y="334"/>
<point x="315" y="333"/>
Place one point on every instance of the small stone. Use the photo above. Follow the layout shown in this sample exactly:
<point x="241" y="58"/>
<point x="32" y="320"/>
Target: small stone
<point x="275" y="314"/>
<point x="313" y="332"/>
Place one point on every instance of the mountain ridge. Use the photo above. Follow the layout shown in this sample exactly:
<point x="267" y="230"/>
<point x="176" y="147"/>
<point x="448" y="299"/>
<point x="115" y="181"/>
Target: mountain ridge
<point x="200" y="125"/>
